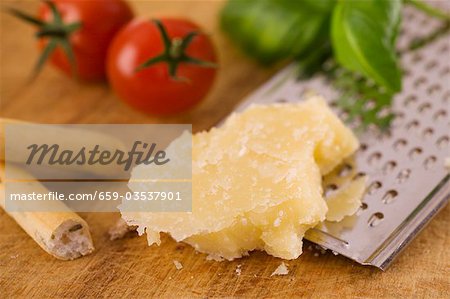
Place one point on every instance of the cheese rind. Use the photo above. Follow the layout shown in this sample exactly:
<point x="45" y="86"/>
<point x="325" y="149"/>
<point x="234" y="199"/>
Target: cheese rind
<point x="256" y="181"/>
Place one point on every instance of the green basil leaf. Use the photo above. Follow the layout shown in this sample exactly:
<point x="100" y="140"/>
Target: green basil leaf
<point x="363" y="37"/>
<point x="272" y="30"/>
<point x="324" y="6"/>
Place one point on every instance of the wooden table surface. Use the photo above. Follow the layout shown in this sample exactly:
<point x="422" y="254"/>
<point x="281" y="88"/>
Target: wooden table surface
<point x="129" y="267"/>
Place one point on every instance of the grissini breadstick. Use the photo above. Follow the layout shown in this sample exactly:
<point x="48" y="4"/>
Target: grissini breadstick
<point x="65" y="235"/>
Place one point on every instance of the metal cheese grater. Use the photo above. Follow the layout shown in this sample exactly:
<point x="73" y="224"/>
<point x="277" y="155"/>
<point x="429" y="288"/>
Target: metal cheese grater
<point x="409" y="182"/>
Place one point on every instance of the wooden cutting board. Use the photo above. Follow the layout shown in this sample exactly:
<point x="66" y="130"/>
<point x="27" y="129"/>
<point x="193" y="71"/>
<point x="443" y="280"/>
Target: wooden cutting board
<point x="129" y="267"/>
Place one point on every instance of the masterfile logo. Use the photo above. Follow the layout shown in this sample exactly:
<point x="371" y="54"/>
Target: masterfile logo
<point x="140" y="153"/>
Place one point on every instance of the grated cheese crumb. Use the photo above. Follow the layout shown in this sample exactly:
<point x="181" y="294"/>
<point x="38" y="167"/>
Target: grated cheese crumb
<point x="178" y="265"/>
<point x="238" y="269"/>
<point x="281" y="270"/>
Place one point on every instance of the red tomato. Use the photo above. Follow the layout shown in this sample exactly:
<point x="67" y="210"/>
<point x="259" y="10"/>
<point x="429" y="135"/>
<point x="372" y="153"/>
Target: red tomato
<point x="100" y="21"/>
<point x="154" y="89"/>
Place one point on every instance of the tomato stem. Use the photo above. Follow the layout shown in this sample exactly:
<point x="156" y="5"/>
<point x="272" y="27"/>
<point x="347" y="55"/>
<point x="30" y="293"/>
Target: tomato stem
<point x="57" y="32"/>
<point x="174" y="53"/>
<point x="175" y="50"/>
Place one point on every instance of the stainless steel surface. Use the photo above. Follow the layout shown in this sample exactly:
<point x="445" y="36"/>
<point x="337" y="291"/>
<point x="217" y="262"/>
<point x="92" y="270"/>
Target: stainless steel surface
<point x="408" y="180"/>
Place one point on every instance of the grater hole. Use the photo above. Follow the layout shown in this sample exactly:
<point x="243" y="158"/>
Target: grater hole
<point x="369" y="105"/>
<point x="424" y="107"/>
<point x="446" y="97"/>
<point x="440" y="115"/>
<point x="410" y="16"/>
<point x="281" y="101"/>
<point x="389" y="196"/>
<point x="373" y="129"/>
<point x="444" y="48"/>
<point x="329" y="189"/>
<point x="415" y="152"/>
<point x="399" y="115"/>
<point x="445" y="71"/>
<point x="403" y="175"/>
<point x="398" y="119"/>
<point x="431" y="65"/>
<point x="374" y="158"/>
<point x="383" y="135"/>
<point x="406" y="72"/>
<point x="345" y="170"/>
<point x="359" y="175"/>
<point x="428" y="132"/>
<point x="414" y="124"/>
<point x="424" y="22"/>
<point x="363" y="147"/>
<point x="409" y="100"/>
<point x="420" y="81"/>
<point x="375" y="219"/>
<point x="343" y="114"/>
<point x="389" y="166"/>
<point x="429" y="162"/>
<point x="355" y="123"/>
<point x="443" y="142"/>
<point x="417" y="58"/>
<point x="374" y="187"/>
<point x="333" y="104"/>
<point x="433" y="89"/>
<point x="362" y="208"/>
<point x="400" y="144"/>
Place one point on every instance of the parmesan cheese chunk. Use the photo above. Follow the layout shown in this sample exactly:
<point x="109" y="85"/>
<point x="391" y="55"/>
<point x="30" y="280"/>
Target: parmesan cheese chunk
<point x="256" y="182"/>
